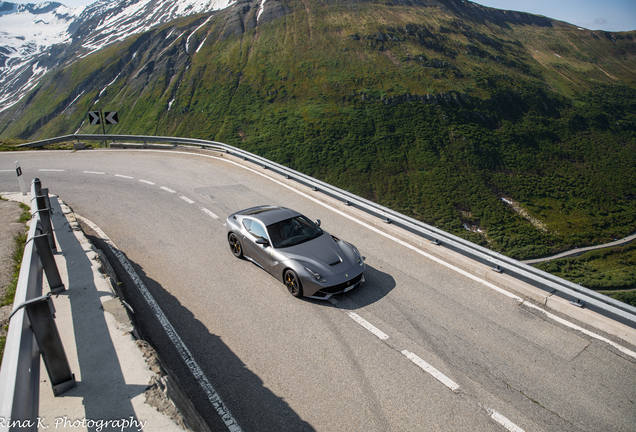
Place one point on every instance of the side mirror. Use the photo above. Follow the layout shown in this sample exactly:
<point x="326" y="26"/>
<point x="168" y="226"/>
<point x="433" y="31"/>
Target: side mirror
<point x="262" y="241"/>
<point x="318" y="222"/>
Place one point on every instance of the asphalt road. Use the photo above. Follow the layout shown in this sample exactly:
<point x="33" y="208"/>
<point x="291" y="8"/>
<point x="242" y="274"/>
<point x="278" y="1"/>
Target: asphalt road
<point x="457" y="354"/>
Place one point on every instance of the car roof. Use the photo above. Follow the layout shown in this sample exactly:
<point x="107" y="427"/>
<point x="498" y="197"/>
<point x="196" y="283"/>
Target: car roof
<point x="269" y="214"/>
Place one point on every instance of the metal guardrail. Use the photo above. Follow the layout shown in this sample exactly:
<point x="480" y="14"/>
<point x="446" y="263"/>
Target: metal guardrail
<point x="539" y="278"/>
<point x="32" y="330"/>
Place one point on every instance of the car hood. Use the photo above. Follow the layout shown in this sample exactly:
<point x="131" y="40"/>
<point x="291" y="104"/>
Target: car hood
<point x="323" y="255"/>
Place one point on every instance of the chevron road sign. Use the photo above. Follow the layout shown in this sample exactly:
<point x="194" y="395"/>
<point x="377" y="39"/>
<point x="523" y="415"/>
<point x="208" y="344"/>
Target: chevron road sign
<point x="110" y="117"/>
<point x="94" y="118"/>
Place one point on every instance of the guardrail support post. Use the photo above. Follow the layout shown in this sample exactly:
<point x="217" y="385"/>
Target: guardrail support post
<point x="41" y="314"/>
<point x="577" y="303"/>
<point x="45" y="224"/>
<point x="47" y="200"/>
<point x="38" y="186"/>
<point x="48" y="262"/>
<point x="497" y="269"/>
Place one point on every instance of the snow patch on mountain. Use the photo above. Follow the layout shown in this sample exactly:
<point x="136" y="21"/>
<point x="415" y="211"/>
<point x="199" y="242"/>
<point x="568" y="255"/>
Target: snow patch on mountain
<point x="30" y="33"/>
<point x="27" y="29"/>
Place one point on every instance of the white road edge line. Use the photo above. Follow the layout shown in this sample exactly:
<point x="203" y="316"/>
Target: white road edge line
<point x="504" y="421"/>
<point x="147" y="182"/>
<point x="123" y="176"/>
<point x="584" y="331"/>
<point x="432" y="371"/>
<point x="188" y="200"/>
<point x="183" y="350"/>
<point x="167" y="189"/>
<point x="413" y="248"/>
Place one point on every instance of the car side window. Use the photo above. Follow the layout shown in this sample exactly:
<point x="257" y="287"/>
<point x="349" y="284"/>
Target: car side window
<point x="247" y="223"/>
<point x="257" y="230"/>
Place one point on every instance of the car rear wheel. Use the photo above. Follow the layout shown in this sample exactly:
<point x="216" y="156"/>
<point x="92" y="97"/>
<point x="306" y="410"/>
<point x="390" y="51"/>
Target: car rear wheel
<point x="293" y="283"/>
<point x="235" y="245"/>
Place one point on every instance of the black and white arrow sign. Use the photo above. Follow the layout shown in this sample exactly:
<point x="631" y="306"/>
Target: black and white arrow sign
<point x="110" y="118"/>
<point x="93" y="117"/>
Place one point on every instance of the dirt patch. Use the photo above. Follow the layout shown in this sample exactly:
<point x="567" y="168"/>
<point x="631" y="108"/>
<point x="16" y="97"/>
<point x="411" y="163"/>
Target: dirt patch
<point x="517" y="208"/>
<point x="10" y="228"/>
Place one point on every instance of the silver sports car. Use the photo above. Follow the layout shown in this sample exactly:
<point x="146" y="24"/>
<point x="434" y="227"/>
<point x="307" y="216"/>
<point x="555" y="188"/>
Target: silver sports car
<point x="293" y="249"/>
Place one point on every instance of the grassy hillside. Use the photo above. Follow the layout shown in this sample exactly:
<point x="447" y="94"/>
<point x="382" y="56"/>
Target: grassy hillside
<point x="514" y="131"/>
<point x="611" y="271"/>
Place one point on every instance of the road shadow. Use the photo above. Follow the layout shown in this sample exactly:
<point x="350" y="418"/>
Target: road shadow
<point x="376" y="286"/>
<point x="254" y="406"/>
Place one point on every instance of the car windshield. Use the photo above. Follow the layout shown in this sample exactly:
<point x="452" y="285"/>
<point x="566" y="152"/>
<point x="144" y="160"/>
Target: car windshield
<point x="291" y="232"/>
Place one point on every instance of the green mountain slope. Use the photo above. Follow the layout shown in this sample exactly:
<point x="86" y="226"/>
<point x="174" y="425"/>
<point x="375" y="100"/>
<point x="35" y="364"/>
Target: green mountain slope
<point x="512" y="130"/>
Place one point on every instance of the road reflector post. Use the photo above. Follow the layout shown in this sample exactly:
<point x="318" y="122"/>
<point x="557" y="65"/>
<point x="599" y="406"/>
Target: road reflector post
<point x="18" y="171"/>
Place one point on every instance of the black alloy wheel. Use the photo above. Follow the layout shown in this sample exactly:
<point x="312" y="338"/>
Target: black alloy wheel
<point x="293" y="283"/>
<point x="235" y="245"/>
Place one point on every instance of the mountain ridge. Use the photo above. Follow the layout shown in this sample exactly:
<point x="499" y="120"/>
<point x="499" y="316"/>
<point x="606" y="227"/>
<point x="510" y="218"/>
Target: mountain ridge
<point x="73" y="33"/>
<point x="445" y="111"/>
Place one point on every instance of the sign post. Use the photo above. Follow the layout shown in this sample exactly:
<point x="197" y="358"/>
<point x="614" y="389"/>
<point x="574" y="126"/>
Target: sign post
<point x="18" y="171"/>
<point x="98" y="117"/>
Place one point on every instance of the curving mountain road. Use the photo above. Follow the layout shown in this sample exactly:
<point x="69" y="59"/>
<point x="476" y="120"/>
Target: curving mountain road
<point x="421" y="346"/>
<point x="581" y="251"/>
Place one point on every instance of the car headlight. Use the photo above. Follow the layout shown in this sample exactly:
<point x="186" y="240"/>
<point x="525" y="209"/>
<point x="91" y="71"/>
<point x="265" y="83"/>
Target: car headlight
<point x="358" y="256"/>
<point x="314" y="275"/>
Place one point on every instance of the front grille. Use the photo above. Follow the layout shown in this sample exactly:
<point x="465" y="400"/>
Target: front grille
<point x="341" y="287"/>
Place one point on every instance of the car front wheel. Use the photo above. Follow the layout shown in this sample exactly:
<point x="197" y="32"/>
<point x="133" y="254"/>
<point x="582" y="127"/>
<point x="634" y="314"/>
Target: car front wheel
<point x="293" y="284"/>
<point x="235" y="245"/>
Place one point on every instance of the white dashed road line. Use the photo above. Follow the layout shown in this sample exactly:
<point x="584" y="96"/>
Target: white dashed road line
<point x="182" y="349"/>
<point x="186" y="199"/>
<point x="364" y="323"/>
<point x="422" y="364"/>
<point x="504" y="421"/>
<point x="431" y="371"/>
<point x="209" y="213"/>
<point x="367" y="325"/>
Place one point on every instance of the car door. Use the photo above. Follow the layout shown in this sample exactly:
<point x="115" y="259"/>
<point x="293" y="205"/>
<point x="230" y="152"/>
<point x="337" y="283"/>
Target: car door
<point x="257" y="252"/>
